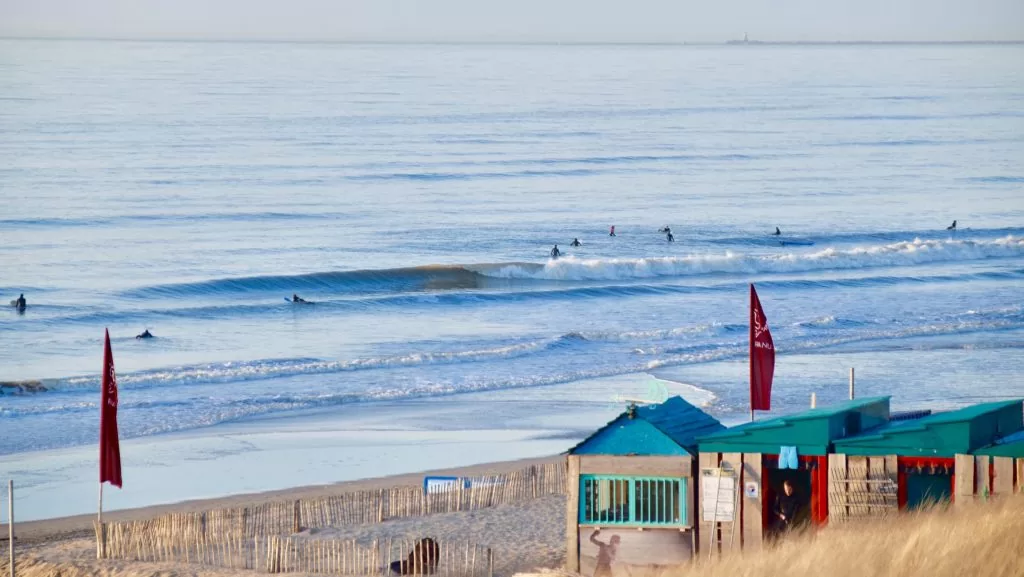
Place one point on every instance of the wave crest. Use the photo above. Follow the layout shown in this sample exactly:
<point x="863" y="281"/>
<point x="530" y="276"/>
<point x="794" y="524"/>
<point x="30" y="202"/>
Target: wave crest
<point x="904" y="253"/>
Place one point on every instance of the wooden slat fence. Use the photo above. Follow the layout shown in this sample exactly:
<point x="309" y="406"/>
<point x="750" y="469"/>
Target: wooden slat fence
<point x="181" y="539"/>
<point x="255" y="537"/>
<point x="861" y="487"/>
<point x="377" y="506"/>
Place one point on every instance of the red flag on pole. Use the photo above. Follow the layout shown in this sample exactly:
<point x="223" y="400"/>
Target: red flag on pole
<point x="762" y="357"/>
<point x="110" y="450"/>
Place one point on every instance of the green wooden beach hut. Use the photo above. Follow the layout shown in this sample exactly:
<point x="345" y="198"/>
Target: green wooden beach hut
<point x="941" y="456"/>
<point x="752" y="452"/>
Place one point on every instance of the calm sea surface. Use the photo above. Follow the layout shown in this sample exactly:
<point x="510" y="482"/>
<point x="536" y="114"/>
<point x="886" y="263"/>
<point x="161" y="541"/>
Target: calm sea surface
<point x="414" y="192"/>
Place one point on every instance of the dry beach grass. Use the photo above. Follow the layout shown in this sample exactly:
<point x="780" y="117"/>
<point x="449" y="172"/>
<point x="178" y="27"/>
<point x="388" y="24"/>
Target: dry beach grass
<point x="983" y="539"/>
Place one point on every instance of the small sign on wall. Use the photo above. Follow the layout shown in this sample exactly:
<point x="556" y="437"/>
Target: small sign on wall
<point x="751" y="489"/>
<point x="718" y="495"/>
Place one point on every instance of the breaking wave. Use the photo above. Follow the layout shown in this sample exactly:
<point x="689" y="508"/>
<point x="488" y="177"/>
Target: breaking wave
<point x="439" y="278"/>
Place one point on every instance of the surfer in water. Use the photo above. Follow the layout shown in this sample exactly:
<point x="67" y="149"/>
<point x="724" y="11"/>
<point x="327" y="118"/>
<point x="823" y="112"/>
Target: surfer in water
<point x="668" y="233"/>
<point x="297" y="299"/>
<point x="19" y="303"/>
<point x="612" y="231"/>
<point x="576" y="242"/>
<point x="145" y="335"/>
<point x="555" y="253"/>
<point x="952" y="227"/>
<point x="777" y="232"/>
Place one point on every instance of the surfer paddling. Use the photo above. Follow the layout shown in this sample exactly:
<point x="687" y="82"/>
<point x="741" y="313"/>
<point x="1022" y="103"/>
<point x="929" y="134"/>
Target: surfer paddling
<point x="576" y="242"/>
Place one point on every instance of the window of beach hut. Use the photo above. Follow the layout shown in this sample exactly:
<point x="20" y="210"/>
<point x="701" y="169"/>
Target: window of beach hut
<point x="633" y="501"/>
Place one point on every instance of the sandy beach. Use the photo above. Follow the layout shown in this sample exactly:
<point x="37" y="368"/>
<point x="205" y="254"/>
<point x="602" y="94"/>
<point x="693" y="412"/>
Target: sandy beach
<point x="524" y="536"/>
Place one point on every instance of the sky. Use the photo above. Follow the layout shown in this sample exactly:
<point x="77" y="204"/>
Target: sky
<point x="518" y="20"/>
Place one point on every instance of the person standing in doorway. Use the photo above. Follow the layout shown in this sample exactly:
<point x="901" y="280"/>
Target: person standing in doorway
<point x="787" y="505"/>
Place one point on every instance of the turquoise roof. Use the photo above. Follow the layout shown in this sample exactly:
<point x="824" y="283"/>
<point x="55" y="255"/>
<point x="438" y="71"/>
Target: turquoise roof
<point x="942" y="434"/>
<point x="1008" y="446"/>
<point x="670" y="428"/>
<point x="812" y="432"/>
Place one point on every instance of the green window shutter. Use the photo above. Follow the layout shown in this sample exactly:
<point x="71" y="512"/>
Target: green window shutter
<point x="634" y="501"/>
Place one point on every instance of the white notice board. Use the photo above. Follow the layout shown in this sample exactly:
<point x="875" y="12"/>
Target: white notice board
<point x="721" y="488"/>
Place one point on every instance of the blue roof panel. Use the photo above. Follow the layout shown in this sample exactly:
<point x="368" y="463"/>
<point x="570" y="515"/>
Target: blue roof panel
<point x="676" y="419"/>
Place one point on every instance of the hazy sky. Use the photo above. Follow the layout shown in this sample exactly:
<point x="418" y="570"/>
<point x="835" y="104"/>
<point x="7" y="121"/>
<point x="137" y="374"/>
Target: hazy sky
<point x="518" y="20"/>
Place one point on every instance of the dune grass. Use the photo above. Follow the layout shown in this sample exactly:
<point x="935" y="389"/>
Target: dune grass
<point x="979" y="539"/>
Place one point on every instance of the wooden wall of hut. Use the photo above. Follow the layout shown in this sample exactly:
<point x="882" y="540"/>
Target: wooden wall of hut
<point x="979" y="476"/>
<point x="749" y="532"/>
<point x="628" y="466"/>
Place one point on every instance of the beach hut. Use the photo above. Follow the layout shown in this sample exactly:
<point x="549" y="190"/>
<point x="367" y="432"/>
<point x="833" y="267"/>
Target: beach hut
<point x="933" y="457"/>
<point x="749" y="455"/>
<point x="1005" y="465"/>
<point x="631" y="496"/>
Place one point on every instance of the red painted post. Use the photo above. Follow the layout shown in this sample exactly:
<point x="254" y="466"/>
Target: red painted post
<point x="901" y="485"/>
<point x="822" y="472"/>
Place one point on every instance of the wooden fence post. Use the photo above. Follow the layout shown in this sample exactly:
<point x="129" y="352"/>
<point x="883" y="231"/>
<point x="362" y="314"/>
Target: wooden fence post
<point x="10" y="521"/>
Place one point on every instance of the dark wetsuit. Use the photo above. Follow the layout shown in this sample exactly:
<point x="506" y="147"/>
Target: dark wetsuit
<point x="788" y="505"/>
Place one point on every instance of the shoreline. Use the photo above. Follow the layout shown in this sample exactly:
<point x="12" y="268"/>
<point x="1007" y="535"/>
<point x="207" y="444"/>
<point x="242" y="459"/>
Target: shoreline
<point x="32" y="532"/>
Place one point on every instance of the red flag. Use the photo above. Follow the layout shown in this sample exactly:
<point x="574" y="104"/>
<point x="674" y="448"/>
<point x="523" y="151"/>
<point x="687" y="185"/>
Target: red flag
<point x="110" y="450"/>
<point x="762" y="357"/>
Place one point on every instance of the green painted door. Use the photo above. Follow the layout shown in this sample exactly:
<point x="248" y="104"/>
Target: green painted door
<point x="923" y="489"/>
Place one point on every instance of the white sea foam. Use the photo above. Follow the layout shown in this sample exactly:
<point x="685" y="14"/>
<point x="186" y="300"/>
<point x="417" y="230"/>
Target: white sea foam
<point x="914" y="252"/>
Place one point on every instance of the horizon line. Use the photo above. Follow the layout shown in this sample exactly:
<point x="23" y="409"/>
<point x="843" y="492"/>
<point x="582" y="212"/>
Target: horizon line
<point x="731" y="42"/>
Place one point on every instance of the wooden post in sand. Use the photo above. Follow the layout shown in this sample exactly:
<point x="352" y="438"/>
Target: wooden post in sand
<point x="851" y="383"/>
<point x="10" y="521"/>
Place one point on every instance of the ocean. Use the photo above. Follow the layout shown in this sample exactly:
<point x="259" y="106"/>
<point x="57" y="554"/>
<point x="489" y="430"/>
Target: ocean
<point x="413" y="193"/>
